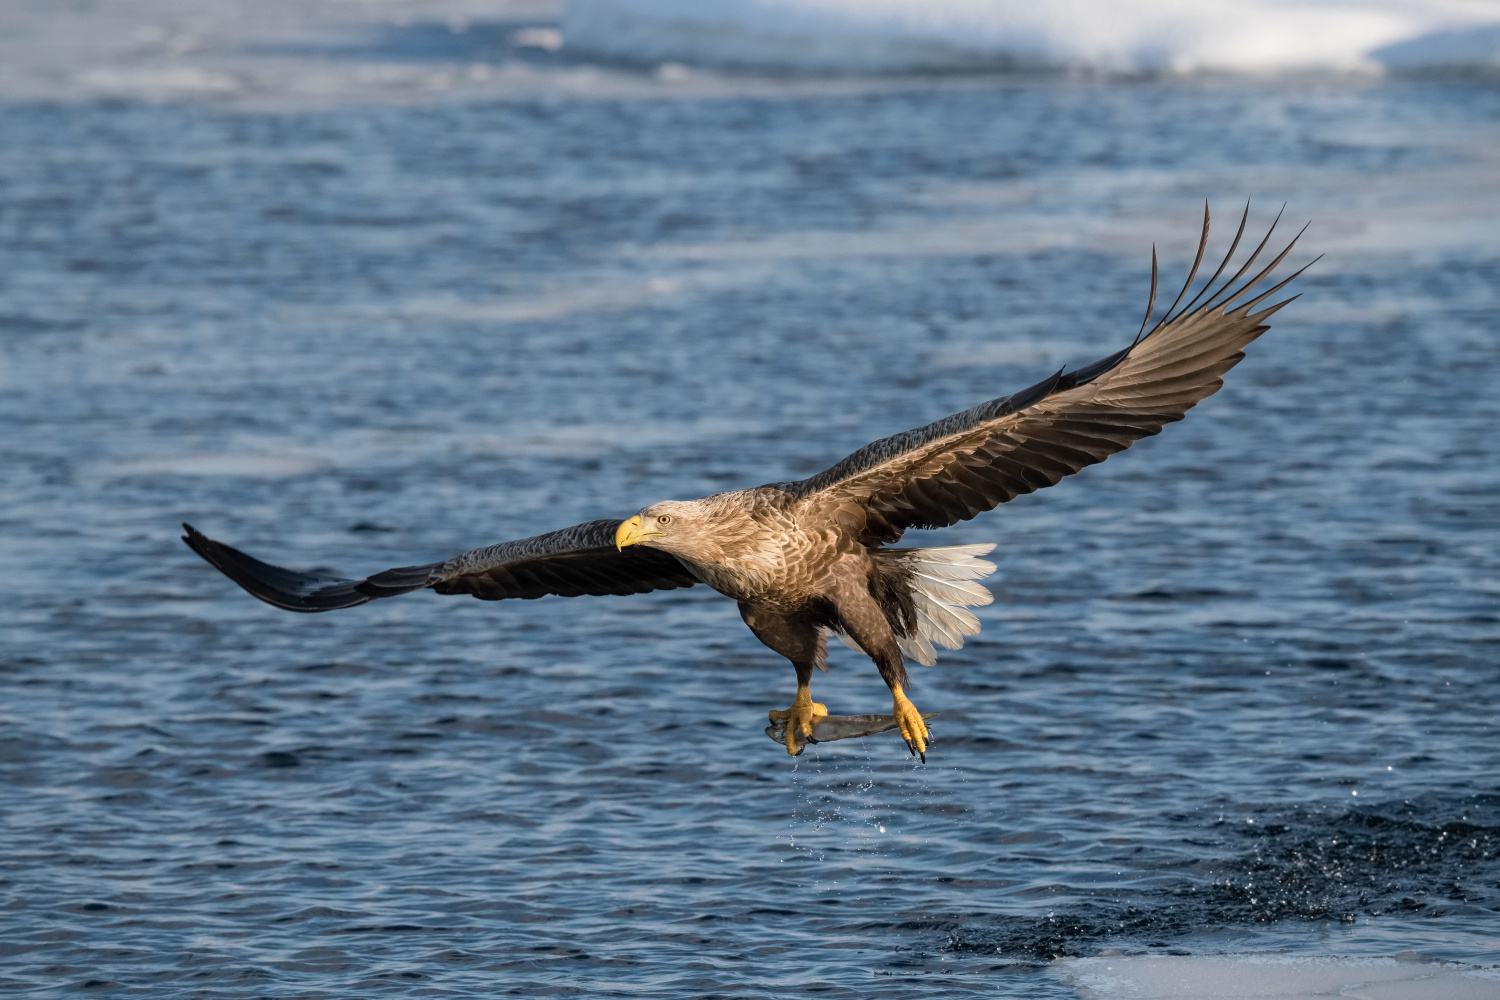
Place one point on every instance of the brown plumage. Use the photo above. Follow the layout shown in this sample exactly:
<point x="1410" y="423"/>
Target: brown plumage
<point x="807" y="559"/>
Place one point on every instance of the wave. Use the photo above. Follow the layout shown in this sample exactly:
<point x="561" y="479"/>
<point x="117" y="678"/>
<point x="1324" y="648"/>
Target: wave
<point x="1434" y="856"/>
<point x="1136" y="36"/>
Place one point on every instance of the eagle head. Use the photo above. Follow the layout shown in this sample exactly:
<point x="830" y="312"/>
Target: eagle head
<point x="666" y="525"/>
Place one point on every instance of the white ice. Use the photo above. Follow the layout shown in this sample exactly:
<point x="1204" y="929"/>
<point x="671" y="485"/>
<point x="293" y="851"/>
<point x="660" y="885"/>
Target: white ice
<point x="1286" y="977"/>
<point x="1110" y="35"/>
<point x="321" y="52"/>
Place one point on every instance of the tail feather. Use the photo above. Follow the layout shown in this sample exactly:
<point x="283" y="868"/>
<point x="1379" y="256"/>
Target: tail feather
<point x="942" y="590"/>
<point x="958" y="592"/>
<point x="949" y="623"/>
<point x="955" y="562"/>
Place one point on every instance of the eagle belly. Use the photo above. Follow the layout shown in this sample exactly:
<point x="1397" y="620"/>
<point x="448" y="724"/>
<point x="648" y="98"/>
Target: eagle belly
<point x="926" y="594"/>
<point x="773" y="562"/>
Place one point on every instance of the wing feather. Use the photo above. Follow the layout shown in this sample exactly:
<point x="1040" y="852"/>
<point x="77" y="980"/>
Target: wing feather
<point x="571" y="562"/>
<point x="962" y="465"/>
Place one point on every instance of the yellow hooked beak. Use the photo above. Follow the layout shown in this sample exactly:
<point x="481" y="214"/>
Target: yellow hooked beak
<point x="632" y="531"/>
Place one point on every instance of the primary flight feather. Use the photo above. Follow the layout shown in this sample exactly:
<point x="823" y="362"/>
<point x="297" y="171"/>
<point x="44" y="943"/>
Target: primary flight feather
<point x="808" y="559"/>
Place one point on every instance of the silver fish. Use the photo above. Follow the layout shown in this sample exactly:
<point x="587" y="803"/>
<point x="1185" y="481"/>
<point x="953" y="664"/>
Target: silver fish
<point x="840" y="727"/>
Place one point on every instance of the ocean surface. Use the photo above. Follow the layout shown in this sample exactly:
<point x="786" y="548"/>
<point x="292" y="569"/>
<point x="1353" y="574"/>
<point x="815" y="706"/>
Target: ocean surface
<point x="1237" y="691"/>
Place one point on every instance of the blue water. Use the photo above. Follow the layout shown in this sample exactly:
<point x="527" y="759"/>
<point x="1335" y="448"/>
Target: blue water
<point x="1237" y="689"/>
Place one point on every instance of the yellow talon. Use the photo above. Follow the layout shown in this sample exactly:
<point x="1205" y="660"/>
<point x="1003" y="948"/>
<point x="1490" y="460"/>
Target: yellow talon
<point x="913" y="729"/>
<point x="799" y="718"/>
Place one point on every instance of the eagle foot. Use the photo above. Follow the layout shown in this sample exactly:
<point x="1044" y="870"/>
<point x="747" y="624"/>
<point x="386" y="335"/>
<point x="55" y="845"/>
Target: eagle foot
<point x="913" y="729"/>
<point x="799" y="719"/>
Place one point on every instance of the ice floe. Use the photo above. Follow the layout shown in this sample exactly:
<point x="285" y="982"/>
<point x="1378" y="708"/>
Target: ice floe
<point x="1133" y="36"/>
<point x="1240" y="977"/>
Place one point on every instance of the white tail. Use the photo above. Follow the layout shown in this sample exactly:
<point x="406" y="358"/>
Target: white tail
<point x="942" y="589"/>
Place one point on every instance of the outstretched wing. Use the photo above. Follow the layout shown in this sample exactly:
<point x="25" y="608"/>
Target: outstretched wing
<point x="970" y="462"/>
<point x="571" y="562"/>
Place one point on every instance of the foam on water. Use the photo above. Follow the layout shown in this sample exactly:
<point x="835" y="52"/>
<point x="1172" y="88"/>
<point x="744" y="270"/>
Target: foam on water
<point x="1138" y="36"/>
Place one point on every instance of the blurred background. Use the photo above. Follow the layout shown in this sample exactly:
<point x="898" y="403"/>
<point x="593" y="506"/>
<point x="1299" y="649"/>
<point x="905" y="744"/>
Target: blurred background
<point x="364" y="283"/>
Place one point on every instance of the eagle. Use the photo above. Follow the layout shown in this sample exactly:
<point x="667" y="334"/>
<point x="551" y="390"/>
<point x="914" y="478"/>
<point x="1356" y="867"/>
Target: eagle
<point x="811" y="559"/>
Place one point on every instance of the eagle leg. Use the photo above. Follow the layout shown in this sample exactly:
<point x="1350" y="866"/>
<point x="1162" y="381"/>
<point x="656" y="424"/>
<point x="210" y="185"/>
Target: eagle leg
<point x="864" y="620"/>
<point x="913" y="729"/>
<point x="798" y="638"/>
<point x="799" y="717"/>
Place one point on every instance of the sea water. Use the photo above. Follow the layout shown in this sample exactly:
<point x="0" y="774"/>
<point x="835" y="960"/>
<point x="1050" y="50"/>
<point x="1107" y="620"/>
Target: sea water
<point x="1236" y="691"/>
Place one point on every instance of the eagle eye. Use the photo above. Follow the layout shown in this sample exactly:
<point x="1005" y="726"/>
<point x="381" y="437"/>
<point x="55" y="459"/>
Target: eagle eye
<point x="664" y="519"/>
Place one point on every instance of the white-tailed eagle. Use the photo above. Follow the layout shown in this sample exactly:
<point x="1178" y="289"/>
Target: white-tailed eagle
<point x="808" y="559"/>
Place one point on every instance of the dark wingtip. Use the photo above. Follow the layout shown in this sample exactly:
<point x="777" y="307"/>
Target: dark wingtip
<point x="1167" y="317"/>
<point x="1150" y="300"/>
<point x="275" y="585"/>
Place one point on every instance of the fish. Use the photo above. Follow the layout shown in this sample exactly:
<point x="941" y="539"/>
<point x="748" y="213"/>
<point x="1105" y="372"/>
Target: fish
<point x="840" y="727"/>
